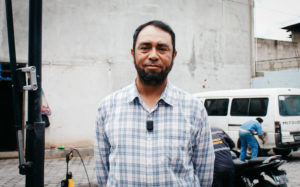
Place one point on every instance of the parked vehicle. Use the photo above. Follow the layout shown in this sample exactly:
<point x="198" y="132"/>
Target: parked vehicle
<point x="278" y="107"/>
<point x="260" y="172"/>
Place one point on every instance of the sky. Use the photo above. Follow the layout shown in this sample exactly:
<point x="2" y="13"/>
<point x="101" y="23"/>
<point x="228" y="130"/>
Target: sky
<point x="271" y="15"/>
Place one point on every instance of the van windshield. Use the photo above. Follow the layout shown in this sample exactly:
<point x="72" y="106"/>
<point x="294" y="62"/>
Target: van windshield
<point x="289" y="105"/>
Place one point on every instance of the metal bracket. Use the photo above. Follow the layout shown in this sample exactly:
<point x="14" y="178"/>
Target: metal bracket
<point x="29" y="126"/>
<point x="31" y="73"/>
<point x="24" y="168"/>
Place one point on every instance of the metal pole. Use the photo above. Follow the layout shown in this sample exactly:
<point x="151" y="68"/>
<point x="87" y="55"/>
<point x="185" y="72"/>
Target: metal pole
<point x="35" y="133"/>
<point x="16" y="93"/>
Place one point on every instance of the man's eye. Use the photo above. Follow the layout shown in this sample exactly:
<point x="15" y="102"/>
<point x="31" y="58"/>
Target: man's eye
<point x="163" y="49"/>
<point x="144" y="47"/>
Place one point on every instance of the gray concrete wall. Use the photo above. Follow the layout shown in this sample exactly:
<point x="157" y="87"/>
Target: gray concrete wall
<point x="296" y="36"/>
<point x="275" y="55"/>
<point x="287" y="78"/>
<point x="277" y="64"/>
<point x="86" y="52"/>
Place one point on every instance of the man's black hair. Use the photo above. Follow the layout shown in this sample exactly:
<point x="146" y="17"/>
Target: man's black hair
<point x="259" y="120"/>
<point x="158" y="24"/>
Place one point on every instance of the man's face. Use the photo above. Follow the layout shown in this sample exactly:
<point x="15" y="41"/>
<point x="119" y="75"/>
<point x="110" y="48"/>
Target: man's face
<point x="153" y="56"/>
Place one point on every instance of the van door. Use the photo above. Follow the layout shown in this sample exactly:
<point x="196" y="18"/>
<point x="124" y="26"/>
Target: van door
<point x="243" y="110"/>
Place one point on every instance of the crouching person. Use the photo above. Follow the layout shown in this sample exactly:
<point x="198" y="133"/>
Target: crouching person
<point x="224" y="167"/>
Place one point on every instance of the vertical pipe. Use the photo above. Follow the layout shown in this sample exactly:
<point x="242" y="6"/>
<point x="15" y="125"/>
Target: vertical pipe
<point x="15" y="87"/>
<point x="252" y="40"/>
<point x="35" y="143"/>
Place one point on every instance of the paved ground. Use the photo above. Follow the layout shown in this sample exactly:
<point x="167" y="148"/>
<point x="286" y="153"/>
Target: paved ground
<point x="292" y="167"/>
<point x="55" y="170"/>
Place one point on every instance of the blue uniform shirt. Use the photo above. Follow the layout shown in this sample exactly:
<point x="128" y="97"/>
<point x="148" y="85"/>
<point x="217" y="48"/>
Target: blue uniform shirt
<point x="222" y="145"/>
<point x="252" y="126"/>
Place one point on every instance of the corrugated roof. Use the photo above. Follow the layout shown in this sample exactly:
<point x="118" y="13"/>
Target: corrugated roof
<point x="295" y="27"/>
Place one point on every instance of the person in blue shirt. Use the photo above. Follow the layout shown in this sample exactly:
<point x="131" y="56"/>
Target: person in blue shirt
<point x="224" y="168"/>
<point x="246" y="133"/>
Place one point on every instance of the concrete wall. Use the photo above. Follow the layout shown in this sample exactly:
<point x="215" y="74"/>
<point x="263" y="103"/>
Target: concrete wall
<point x="277" y="64"/>
<point x="276" y="55"/>
<point x="296" y="36"/>
<point x="288" y="78"/>
<point x="86" y="52"/>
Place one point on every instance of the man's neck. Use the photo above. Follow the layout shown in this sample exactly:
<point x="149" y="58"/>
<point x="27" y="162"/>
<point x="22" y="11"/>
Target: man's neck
<point x="150" y="93"/>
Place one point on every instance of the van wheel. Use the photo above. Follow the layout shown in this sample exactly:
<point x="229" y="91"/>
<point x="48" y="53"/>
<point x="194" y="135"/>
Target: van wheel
<point x="283" y="152"/>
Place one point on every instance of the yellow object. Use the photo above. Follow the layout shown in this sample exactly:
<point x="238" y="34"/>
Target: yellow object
<point x="71" y="182"/>
<point x="217" y="141"/>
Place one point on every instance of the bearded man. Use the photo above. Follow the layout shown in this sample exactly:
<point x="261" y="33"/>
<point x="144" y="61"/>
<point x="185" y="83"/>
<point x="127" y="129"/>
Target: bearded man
<point x="151" y="133"/>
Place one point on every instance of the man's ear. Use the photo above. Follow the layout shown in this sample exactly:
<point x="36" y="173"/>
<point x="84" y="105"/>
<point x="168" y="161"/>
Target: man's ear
<point x="132" y="53"/>
<point x="175" y="54"/>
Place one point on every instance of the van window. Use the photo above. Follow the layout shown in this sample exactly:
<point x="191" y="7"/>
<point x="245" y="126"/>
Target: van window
<point x="216" y="107"/>
<point x="289" y="105"/>
<point x="239" y="107"/>
<point x="249" y="107"/>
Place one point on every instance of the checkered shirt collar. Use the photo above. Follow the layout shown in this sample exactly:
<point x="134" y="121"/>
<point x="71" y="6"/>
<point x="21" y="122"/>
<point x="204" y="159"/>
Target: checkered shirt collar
<point x="167" y="96"/>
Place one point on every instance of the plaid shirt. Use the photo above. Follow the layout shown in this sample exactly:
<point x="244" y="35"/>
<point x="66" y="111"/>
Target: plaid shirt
<point x="178" y="152"/>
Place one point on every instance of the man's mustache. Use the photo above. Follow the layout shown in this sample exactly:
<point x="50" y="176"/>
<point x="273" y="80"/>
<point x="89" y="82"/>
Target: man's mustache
<point x="157" y="64"/>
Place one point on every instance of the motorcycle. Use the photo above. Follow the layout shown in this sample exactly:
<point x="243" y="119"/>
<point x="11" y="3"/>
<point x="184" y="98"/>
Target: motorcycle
<point x="260" y="172"/>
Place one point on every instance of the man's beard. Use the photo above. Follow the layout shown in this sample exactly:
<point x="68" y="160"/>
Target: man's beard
<point x="153" y="78"/>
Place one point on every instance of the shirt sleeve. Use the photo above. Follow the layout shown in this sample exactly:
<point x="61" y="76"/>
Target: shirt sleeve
<point x="259" y="129"/>
<point x="101" y="149"/>
<point x="203" y="152"/>
<point x="229" y="141"/>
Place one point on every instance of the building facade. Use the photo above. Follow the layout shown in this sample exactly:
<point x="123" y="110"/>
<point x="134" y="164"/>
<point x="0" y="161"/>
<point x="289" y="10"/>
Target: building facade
<point x="86" y="52"/>
<point x="278" y="62"/>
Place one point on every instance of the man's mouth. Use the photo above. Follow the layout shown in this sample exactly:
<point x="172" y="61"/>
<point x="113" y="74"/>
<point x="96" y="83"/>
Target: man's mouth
<point x="153" y="67"/>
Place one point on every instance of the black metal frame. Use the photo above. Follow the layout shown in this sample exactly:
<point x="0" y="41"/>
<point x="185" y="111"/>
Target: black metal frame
<point x="33" y="168"/>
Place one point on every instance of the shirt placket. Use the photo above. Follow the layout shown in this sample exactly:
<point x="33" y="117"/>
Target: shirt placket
<point x="149" y="151"/>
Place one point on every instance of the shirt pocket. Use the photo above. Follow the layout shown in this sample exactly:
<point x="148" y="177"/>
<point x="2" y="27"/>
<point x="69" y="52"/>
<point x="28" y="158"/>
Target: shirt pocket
<point x="178" y="167"/>
<point x="176" y="144"/>
<point x="175" y="141"/>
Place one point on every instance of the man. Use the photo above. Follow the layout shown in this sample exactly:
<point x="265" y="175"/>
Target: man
<point x="224" y="167"/>
<point x="151" y="133"/>
<point x="246" y="133"/>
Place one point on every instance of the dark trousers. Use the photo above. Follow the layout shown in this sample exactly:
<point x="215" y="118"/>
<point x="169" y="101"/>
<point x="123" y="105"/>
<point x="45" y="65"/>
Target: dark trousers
<point x="223" y="178"/>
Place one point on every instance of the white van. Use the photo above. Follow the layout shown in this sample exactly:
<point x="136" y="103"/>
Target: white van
<point x="278" y="107"/>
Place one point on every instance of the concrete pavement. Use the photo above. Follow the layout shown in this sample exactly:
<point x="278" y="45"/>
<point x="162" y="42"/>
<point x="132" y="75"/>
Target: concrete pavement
<point x="55" y="170"/>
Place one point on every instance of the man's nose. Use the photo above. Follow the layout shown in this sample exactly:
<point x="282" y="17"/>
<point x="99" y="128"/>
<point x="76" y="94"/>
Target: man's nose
<point x="153" y="56"/>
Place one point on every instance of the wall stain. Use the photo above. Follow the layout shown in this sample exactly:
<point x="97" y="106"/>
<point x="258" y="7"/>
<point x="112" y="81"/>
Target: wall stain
<point x="192" y="62"/>
<point x="204" y="83"/>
